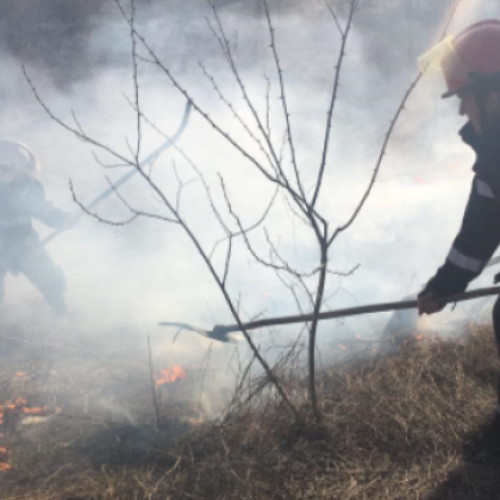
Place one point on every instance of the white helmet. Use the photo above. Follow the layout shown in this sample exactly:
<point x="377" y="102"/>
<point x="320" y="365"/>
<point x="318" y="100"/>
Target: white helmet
<point x="16" y="160"/>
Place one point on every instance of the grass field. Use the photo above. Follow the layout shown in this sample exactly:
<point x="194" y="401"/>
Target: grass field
<point x="403" y="426"/>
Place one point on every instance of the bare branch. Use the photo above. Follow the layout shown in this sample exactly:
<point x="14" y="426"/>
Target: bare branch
<point x="269" y="264"/>
<point x="238" y="117"/>
<point x="97" y="216"/>
<point x="77" y="122"/>
<point x="300" y="198"/>
<point x="376" y="170"/>
<point x="180" y="187"/>
<point x="284" y="102"/>
<point x="135" y="80"/>
<point x="75" y="131"/>
<point x="156" y="61"/>
<point x="344" y="274"/>
<point x="329" y="6"/>
<point x="106" y="165"/>
<point x="228" y="259"/>
<point x="333" y="99"/>
<point x="268" y="108"/>
<point x="388" y="135"/>
<point x="253" y="226"/>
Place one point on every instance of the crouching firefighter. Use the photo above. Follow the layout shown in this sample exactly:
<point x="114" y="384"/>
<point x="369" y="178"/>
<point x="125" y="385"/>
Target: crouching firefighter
<point x="22" y="199"/>
<point x="471" y="67"/>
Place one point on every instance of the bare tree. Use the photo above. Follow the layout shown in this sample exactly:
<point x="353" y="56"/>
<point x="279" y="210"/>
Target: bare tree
<point x="274" y="156"/>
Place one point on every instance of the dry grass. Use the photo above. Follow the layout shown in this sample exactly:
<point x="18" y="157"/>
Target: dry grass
<point x="398" y="427"/>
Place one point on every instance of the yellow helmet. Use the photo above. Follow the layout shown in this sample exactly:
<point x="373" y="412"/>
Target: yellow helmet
<point x="16" y="159"/>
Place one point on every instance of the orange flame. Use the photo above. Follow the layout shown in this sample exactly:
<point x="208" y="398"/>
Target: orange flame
<point x="3" y="450"/>
<point x="5" y="467"/>
<point x="170" y="375"/>
<point x="420" y="336"/>
<point x="35" y="409"/>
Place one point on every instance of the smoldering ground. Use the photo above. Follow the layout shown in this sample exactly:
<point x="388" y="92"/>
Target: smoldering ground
<point x="122" y="280"/>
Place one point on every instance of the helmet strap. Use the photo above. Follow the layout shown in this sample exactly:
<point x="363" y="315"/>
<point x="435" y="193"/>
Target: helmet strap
<point x="483" y="115"/>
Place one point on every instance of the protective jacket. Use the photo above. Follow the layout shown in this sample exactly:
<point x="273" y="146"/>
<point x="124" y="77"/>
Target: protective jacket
<point x="21" y="201"/>
<point x="479" y="235"/>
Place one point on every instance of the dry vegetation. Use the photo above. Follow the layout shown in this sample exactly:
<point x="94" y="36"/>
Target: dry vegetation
<point x="398" y="427"/>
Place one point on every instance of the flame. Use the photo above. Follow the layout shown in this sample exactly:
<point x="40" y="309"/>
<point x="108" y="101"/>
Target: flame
<point x="420" y="336"/>
<point x="170" y="375"/>
<point x="15" y="408"/>
<point x="35" y="409"/>
<point x="343" y="347"/>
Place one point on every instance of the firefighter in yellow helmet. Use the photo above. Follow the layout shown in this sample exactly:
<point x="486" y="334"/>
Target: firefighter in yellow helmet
<point x="471" y="67"/>
<point x="22" y="199"/>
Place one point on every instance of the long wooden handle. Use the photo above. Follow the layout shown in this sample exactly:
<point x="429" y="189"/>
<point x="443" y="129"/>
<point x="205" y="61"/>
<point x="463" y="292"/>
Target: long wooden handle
<point x="220" y="331"/>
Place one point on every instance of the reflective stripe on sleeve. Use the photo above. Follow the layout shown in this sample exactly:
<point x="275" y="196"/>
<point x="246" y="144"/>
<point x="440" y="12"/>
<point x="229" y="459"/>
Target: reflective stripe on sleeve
<point x="484" y="189"/>
<point x="464" y="262"/>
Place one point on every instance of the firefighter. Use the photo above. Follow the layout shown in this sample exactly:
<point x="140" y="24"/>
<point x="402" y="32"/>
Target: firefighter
<point x="471" y="68"/>
<point x="22" y="198"/>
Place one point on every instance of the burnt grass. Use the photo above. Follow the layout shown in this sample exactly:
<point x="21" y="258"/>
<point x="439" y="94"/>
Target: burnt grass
<point x="402" y="426"/>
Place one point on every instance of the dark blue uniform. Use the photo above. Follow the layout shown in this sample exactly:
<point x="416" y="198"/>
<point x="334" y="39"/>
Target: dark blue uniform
<point x="20" y="248"/>
<point x="479" y="235"/>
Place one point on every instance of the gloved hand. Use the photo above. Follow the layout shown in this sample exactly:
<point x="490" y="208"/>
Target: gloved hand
<point x="430" y="303"/>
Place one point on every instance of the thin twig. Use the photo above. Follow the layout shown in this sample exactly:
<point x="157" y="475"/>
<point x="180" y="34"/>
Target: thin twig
<point x="333" y="100"/>
<point x="284" y="102"/>
<point x="153" y="387"/>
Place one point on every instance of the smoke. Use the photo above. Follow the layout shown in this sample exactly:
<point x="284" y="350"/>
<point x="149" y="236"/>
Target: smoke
<point x="123" y="280"/>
